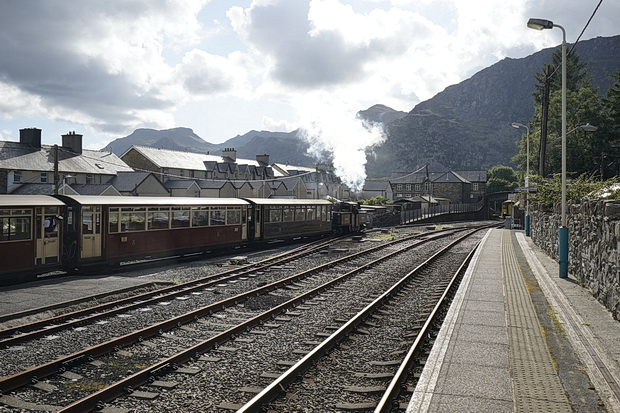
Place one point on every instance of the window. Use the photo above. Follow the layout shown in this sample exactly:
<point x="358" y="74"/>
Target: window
<point x="133" y="219"/>
<point x="417" y="187"/>
<point x="43" y="177"/>
<point x="399" y="187"/>
<point x="15" y="224"/>
<point x="233" y="216"/>
<point x="475" y="186"/>
<point x="427" y="186"/>
<point x="275" y="214"/>
<point x="288" y="214"/>
<point x="218" y="217"/>
<point x="17" y="177"/>
<point x="200" y="216"/>
<point x="158" y="218"/>
<point x="180" y="217"/>
<point x="408" y="187"/>
<point x="300" y="214"/>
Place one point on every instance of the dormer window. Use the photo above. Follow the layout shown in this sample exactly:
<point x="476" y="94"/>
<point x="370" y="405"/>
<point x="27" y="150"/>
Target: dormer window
<point x="17" y="177"/>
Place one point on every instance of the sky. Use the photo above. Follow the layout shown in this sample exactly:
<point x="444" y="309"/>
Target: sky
<point x="225" y="67"/>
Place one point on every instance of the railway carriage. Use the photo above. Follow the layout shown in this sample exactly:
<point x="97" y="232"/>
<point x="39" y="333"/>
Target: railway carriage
<point x="288" y="218"/>
<point x="114" y="229"/>
<point x="30" y="237"/>
<point x="42" y="233"/>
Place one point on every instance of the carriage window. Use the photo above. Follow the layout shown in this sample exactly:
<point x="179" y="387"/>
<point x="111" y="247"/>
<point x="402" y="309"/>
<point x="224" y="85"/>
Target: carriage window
<point x="15" y="224"/>
<point x="300" y="214"/>
<point x="200" y="217"/>
<point x="233" y="216"/>
<point x="288" y="214"/>
<point x="217" y="217"/>
<point x="158" y="218"/>
<point x="133" y="219"/>
<point x="113" y="220"/>
<point x="180" y="217"/>
<point x="275" y="215"/>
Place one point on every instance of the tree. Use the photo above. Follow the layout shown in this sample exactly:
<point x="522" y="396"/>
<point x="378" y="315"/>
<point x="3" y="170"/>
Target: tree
<point x="549" y="80"/>
<point x="501" y="179"/>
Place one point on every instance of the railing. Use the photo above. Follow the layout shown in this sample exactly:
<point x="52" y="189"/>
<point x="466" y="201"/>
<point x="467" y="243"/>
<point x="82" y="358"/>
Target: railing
<point x="412" y="215"/>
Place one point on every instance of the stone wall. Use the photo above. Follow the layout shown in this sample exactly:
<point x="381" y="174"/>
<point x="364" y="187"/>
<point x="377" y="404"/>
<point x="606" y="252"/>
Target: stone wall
<point x="594" y="245"/>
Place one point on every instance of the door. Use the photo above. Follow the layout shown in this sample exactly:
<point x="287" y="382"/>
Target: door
<point x="244" y="223"/>
<point x="48" y="228"/>
<point x="91" y="231"/>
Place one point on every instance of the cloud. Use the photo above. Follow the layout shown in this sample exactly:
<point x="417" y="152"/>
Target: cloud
<point x="101" y="62"/>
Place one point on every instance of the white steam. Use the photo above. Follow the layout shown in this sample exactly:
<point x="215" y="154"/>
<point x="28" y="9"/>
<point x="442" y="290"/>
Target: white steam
<point x="331" y="125"/>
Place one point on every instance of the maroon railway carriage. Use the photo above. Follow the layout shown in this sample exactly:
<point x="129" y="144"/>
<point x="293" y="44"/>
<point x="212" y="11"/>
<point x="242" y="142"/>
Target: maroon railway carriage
<point x="109" y="230"/>
<point x="289" y="218"/>
<point x="30" y="236"/>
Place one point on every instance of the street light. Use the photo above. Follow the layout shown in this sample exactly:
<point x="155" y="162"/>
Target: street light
<point x="527" y="175"/>
<point x="540" y="24"/>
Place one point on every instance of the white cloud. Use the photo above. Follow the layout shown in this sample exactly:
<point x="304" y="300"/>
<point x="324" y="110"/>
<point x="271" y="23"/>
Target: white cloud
<point x="223" y="68"/>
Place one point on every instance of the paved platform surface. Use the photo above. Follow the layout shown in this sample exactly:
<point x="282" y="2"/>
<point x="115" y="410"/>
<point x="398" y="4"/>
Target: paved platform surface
<point x="58" y="291"/>
<point x="517" y="338"/>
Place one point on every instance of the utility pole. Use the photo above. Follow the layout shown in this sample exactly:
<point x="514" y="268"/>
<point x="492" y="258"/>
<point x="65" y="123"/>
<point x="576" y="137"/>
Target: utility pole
<point x="56" y="177"/>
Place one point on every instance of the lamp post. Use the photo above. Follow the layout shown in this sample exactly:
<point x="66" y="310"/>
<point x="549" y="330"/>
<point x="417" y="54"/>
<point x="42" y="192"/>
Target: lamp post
<point x="527" y="175"/>
<point x="540" y="24"/>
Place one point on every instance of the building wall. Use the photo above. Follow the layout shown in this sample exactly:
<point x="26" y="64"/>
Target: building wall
<point x="594" y="245"/>
<point x="456" y="192"/>
<point x="151" y="186"/>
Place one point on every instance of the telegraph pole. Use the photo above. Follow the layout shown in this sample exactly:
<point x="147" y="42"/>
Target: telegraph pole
<point x="56" y="177"/>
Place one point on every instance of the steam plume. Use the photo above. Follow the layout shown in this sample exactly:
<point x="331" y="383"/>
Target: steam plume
<point x="331" y="125"/>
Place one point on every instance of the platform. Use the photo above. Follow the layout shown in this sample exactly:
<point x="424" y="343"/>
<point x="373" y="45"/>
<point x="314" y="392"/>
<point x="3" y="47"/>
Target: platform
<point x="517" y="338"/>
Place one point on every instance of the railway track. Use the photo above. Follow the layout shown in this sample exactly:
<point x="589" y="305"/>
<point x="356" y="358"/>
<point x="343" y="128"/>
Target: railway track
<point x="186" y="331"/>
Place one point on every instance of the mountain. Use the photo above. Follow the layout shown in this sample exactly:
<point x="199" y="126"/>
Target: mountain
<point x="468" y="125"/>
<point x="381" y="114"/>
<point x="179" y="139"/>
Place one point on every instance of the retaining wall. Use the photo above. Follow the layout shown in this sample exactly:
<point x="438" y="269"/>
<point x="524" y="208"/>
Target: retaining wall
<point x="594" y="245"/>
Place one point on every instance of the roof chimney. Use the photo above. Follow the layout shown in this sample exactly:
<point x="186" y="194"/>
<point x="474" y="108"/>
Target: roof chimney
<point x="73" y="142"/>
<point x="30" y="136"/>
<point x="230" y="153"/>
<point x="263" y="160"/>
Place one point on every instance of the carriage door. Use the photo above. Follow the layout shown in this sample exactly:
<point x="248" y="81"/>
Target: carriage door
<point x="91" y="231"/>
<point x="257" y="221"/>
<point x="48" y="235"/>
<point x="244" y="222"/>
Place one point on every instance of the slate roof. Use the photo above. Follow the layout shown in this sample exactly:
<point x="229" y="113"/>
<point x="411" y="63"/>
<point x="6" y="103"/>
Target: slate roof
<point x="18" y="156"/>
<point x="450" y="177"/>
<point x="128" y="181"/>
<point x="208" y="184"/>
<point x="179" y="183"/>
<point x="34" y="189"/>
<point x="473" y="176"/>
<point x="375" y="185"/>
<point x="92" y="189"/>
<point x="166" y="158"/>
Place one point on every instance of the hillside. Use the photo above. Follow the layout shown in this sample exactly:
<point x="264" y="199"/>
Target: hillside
<point x="468" y="125"/>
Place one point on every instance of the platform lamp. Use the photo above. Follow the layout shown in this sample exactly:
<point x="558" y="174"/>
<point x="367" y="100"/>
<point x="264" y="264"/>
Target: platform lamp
<point x="527" y="175"/>
<point x="540" y="24"/>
